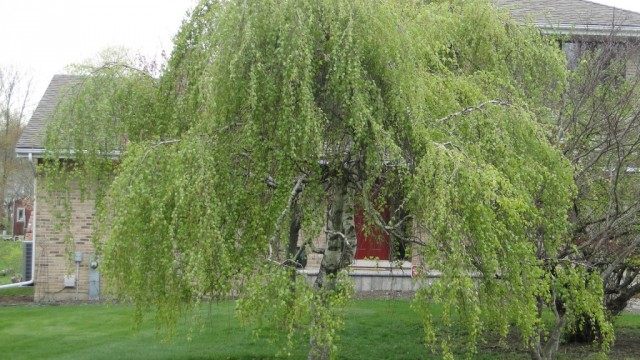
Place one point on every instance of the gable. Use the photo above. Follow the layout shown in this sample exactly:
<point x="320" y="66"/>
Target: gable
<point x="32" y="137"/>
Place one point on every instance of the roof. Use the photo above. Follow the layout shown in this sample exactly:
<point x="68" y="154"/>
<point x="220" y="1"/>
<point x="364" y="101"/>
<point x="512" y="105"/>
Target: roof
<point x="581" y="17"/>
<point x="32" y="137"/>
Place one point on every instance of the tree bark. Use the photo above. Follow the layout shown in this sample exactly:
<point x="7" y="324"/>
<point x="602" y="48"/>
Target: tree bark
<point x="548" y="350"/>
<point x="341" y="236"/>
<point x="340" y="251"/>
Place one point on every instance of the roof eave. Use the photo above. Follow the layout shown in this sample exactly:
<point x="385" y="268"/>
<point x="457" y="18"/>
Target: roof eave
<point x="30" y="153"/>
<point x="590" y="30"/>
<point x="38" y="153"/>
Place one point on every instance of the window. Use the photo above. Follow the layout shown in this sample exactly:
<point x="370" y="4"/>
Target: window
<point x="20" y="215"/>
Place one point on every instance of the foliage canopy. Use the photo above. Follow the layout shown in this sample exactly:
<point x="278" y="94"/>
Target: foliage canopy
<point x="267" y="108"/>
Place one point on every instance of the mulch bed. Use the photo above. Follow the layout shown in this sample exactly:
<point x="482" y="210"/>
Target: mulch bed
<point x="626" y="346"/>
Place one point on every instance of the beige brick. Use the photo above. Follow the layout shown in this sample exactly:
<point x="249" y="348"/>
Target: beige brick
<point x="54" y="256"/>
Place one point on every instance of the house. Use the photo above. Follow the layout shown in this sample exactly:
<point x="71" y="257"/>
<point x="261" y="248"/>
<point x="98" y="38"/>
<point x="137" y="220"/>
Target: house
<point x="580" y="25"/>
<point x="573" y="17"/>
<point x="54" y="278"/>
<point x="379" y="264"/>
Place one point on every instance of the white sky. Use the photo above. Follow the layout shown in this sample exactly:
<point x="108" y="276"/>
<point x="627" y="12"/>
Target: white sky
<point x="41" y="37"/>
<point x="633" y="5"/>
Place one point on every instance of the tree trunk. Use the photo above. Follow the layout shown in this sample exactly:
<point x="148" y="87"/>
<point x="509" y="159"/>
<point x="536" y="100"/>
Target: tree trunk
<point x="620" y="287"/>
<point x="318" y="351"/>
<point x="548" y="350"/>
<point x="341" y="236"/>
<point x="295" y="223"/>
<point x="341" y="246"/>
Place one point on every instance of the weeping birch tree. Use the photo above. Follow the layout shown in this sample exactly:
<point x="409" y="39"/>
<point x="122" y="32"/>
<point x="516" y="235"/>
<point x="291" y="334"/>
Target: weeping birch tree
<point x="274" y="120"/>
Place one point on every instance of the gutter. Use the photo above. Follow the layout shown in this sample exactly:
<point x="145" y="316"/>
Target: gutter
<point x="38" y="153"/>
<point x="590" y="30"/>
<point x="29" y="153"/>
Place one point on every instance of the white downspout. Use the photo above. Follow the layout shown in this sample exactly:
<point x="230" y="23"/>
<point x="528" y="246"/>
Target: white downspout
<point x="33" y="234"/>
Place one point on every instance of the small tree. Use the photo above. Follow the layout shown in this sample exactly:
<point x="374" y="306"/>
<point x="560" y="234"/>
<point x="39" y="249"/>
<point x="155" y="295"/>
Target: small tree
<point x="14" y="93"/>
<point x="598" y="130"/>
<point x="274" y="120"/>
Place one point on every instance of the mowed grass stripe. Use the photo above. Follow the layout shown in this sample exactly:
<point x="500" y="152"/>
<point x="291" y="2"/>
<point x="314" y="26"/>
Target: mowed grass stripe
<point x="374" y="329"/>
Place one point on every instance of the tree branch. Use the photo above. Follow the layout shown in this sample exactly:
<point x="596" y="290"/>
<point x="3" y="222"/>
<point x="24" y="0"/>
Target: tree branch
<point x="157" y="145"/>
<point x="297" y="189"/>
<point x="471" y="109"/>
<point x="623" y="255"/>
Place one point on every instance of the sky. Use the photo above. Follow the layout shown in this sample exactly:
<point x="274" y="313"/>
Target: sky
<point x="633" y="5"/>
<point x="39" y="38"/>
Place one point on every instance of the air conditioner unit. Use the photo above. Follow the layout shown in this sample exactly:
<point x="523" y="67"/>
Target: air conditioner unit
<point x="27" y="251"/>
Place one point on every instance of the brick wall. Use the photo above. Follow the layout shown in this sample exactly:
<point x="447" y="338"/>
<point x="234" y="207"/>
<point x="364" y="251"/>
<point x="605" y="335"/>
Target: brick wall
<point x="54" y="255"/>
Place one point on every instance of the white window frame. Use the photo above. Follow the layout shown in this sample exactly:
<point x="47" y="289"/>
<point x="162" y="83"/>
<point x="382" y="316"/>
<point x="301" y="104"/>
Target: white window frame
<point x="20" y="212"/>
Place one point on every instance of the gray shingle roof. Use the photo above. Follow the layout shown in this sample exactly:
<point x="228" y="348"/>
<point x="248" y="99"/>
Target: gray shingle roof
<point x="570" y="13"/>
<point x="33" y="135"/>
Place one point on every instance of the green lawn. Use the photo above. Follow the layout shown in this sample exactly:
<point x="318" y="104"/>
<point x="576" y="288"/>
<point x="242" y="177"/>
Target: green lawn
<point x="10" y="258"/>
<point x="11" y="293"/>
<point x="376" y="329"/>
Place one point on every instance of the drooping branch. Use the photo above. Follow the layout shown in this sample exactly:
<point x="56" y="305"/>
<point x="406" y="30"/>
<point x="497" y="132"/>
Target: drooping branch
<point x="313" y="248"/>
<point x="295" y="191"/>
<point x="471" y="109"/>
<point x="393" y="229"/>
<point x="154" y="146"/>
<point x="621" y="257"/>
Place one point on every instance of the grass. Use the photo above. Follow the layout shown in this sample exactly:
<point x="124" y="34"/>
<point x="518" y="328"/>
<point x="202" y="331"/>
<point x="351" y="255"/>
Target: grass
<point x="10" y="259"/>
<point x="375" y="329"/>
<point x="24" y="291"/>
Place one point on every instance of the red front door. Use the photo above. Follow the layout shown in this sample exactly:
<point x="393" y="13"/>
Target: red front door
<point x="373" y="243"/>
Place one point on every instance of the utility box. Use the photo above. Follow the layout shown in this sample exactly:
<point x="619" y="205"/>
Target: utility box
<point x="69" y="281"/>
<point x="94" y="279"/>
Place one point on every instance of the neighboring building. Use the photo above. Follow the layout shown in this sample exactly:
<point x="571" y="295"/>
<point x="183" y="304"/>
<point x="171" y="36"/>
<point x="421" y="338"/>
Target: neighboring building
<point x="19" y="216"/>
<point x="379" y="264"/>
<point x="581" y="25"/>
<point x="18" y="199"/>
<point x="573" y="17"/>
